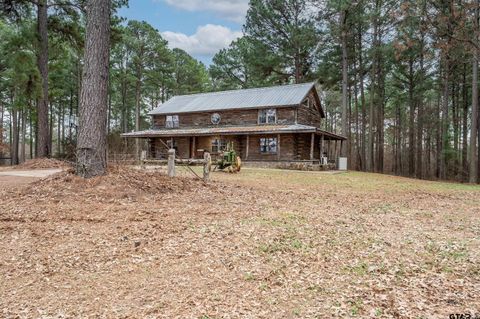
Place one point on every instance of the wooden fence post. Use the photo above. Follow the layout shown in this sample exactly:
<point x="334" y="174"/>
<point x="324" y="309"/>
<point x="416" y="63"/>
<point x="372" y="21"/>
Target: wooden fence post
<point x="207" y="165"/>
<point x="171" y="162"/>
<point x="143" y="158"/>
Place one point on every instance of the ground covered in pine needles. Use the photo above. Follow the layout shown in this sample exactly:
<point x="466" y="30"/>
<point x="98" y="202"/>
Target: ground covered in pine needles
<point x="258" y="244"/>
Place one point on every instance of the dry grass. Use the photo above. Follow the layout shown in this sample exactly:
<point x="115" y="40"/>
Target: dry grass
<point x="259" y="244"/>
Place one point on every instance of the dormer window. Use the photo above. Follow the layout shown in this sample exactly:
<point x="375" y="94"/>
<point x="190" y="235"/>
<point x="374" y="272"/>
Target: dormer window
<point x="267" y="116"/>
<point x="171" y="121"/>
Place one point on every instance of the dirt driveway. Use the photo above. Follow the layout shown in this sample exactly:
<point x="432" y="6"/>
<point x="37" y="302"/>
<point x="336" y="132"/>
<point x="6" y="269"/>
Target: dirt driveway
<point x="12" y="178"/>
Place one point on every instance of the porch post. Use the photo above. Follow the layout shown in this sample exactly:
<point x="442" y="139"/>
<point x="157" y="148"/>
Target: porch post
<point x="321" y="145"/>
<point x="329" y="149"/>
<point x="278" y="147"/>
<point x="335" y="153"/>
<point x="312" y="145"/>
<point x="247" y="146"/>
<point x="194" y="147"/>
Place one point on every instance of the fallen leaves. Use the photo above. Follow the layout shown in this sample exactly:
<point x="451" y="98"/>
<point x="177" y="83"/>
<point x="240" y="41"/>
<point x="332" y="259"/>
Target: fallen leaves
<point x="259" y="244"/>
<point x="39" y="163"/>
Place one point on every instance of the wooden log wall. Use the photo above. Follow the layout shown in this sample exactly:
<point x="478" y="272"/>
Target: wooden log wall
<point x="285" y="115"/>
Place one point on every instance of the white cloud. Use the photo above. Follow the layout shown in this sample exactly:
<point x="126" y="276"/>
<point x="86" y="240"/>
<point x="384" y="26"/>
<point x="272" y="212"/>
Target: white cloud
<point x="234" y="10"/>
<point x="207" y="40"/>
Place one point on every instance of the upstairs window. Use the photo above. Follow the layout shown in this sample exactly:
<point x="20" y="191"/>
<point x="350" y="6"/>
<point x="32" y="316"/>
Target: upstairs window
<point x="309" y="103"/>
<point x="171" y="121"/>
<point x="218" y="145"/>
<point x="267" y="116"/>
<point x="268" y="145"/>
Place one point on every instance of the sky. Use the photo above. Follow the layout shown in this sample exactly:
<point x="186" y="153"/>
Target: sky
<point x="200" y="27"/>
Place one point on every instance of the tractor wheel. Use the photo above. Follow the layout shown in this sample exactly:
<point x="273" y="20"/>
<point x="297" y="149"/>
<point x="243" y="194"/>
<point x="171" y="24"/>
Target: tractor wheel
<point x="238" y="163"/>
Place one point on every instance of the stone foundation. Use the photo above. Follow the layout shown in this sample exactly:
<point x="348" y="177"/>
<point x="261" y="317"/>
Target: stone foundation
<point x="299" y="166"/>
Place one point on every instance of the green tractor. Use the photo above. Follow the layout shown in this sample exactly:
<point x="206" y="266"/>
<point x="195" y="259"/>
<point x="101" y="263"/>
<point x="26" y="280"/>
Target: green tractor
<point x="229" y="160"/>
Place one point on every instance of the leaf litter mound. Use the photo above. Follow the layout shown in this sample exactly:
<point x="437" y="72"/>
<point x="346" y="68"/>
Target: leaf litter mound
<point x="123" y="189"/>
<point x="42" y="163"/>
<point x="120" y="184"/>
<point x="117" y="180"/>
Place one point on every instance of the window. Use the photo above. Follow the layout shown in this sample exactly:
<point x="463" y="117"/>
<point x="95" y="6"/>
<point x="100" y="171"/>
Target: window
<point x="268" y="145"/>
<point x="218" y="145"/>
<point x="215" y="118"/>
<point x="267" y="116"/>
<point x="306" y="102"/>
<point x="171" y="121"/>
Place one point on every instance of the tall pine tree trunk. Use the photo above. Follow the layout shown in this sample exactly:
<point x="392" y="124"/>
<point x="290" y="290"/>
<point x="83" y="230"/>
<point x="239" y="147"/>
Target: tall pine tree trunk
<point x="138" y="91"/>
<point x="124" y="104"/>
<point x="59" y="128"/>
<point x="43" y="147"/>
<point x="455" y="120"/>
<point x="381" y="120"/>
<point x="343" y="20"/>
<point x="92" y="146"/>
<point x="22" y="155"/>
<point x="445" y="118"/>
<point x="474" y="126"/>
<point x="63" y="130"/>
<point x="380" y="147"/>
<point x="358" y="155"/>
<point x="32" y="130"/>
<point x="373" y="126"/>
<point x="465" y="125"/>
<point x="15" y="136"/>
<point x="419" y="148"/>
<point x="438" y="138"/>
<point x="70" y="114"/>
<point x="428" y="151"/>
<point x="50" y="134"/>
<point x="398" y="140"/>
<point x="411" y="122"/>
<point x="364" y="106"/>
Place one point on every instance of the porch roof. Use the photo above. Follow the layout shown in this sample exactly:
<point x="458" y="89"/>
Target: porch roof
<point x="234" y="130"/>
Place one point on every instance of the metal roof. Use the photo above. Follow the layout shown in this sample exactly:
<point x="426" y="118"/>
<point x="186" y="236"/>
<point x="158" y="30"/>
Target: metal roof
<point x="283" y="95"/>
<point x="234" y="130"/>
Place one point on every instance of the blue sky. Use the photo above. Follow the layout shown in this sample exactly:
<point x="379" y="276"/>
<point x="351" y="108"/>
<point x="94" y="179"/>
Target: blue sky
<point x="200" y="27"/>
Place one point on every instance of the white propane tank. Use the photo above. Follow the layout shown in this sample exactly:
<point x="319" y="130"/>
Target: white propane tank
<point x="342" y="163"/>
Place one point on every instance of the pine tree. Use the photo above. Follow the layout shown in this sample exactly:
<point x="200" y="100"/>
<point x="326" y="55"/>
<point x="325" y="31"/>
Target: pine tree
<point x="92" y="139"/>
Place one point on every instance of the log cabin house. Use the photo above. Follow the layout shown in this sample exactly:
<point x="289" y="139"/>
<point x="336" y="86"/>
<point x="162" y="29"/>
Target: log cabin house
<point x="271" y="124"/>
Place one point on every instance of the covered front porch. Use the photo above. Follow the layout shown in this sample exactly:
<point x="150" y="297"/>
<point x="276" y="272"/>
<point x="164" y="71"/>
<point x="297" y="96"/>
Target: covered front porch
<point x="274" y="143"/>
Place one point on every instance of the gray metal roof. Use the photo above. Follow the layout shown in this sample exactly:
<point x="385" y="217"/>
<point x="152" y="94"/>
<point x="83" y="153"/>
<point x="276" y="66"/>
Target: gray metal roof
<point x="237" y="99"/>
